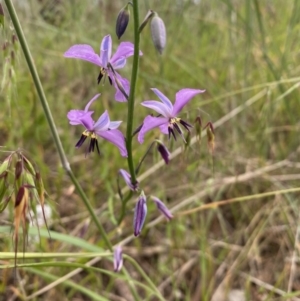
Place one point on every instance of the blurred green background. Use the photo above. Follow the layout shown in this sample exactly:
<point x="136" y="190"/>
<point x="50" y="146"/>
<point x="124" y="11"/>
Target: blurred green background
<point x="245" y="54"/>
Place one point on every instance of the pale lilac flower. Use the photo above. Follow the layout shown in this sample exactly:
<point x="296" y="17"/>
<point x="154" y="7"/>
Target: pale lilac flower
<point x="162" y="208"/>
<point x="103" y="128"/>
<point x="106" y="61"/>
<point x="169" y="120"/>
<point x="118" y="259"/>
<point x="140" y="213"/>
<point x="126" y="176"/>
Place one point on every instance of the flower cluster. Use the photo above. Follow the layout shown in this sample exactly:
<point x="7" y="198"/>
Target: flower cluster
<point x="167" y="120"/>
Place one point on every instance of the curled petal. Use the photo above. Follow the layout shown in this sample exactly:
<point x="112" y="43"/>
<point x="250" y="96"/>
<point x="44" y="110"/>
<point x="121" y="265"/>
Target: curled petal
<point x="183" y="97"/>
<point x="116" y="138"/>
<point x="162" y="208"/>
<point x="149" y="124"/>
<point x="75" y="116"/>
<point x="87" y="121"/>
<point x="90" y="102"/>
<point x="157" y="106"/>
<point x="140" y="213"/>
<point x="102" y="124"/>
<point x="105" y="50"/>
<point x="83" y="52"/>
<point x="118" y="259"/>
<point x="163" y="98"/>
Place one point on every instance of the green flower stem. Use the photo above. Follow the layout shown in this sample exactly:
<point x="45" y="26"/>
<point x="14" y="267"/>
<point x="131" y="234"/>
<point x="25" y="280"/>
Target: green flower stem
<point x="135" y="67"/>
<point x="50" y="120"/>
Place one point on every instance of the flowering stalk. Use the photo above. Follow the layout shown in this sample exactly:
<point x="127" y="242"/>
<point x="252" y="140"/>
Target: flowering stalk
<point x="131" y="99"/>
<point x="49" y="118"/>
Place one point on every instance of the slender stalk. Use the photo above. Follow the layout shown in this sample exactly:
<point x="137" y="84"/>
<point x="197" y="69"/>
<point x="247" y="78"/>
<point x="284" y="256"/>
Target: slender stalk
<point x="135" y="67"/>
<point x="47" y="111"/>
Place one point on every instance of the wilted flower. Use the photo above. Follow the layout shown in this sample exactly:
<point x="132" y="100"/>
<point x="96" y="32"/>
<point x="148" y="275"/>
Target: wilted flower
<point x="169" y="121"/>
<point x="162" y="208"/>
<point x="126" y="176"/>
<point x="103" y="128"/>
<point x="105" y="61"/>
<point x="140" y="213"/>
<point x="122" y="21"/>
<point x="158" y="33"/>
<point x="118" y="259"/>
<point x="164" y="152"/>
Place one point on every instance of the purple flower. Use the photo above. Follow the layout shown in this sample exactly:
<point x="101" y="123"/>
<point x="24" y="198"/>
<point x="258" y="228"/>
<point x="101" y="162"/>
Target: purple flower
<point x="106" y="61"/>
<point x="118" y="259"/>
<point x="126" y="176"/>
<point x="169" y="120"/>
<point x="140" y="213"/>
<point x="162" y="208"/>
<point x="103" y="128"/>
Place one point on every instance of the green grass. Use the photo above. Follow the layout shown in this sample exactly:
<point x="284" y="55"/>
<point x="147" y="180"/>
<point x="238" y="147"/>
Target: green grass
<point x="236" y="214"/>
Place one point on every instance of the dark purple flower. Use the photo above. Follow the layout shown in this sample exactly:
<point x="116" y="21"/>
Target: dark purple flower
<point x="162" y="208"/>
<point x="140" y="213"/>
<point x="169" y="120"/>
<point x="118" y="259"/>
<point x="106" y="61"/>
<point x="103" y="128"/>
<point x="126" y="176"/>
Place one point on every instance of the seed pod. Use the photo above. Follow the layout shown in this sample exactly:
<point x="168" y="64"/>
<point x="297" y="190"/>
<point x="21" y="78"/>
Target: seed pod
<point x="122" y="21"/>
<point x="5" y="164"/>
<point x="158" y="33"/>
<point x="28" y="165"/>
<point x="1" y="15"/>
<point x="210" y="136"/>
<point x="3" y="185"/>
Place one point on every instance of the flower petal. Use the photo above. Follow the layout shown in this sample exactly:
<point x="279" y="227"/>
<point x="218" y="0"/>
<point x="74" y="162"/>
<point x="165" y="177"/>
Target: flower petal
<point x="119" y="63"/>
<point x="157" y="106"/>
<point x="163" y="98"/>
<point x="114" y="125"/>
<point x="182" y="98"/>
<point x="87" y="121"/>
<point x="83" y="52"/>
<point x="105" y="51"/>
<point x="90" y="102"/>
<point x="119" y="96"/>
<point x="125" y="49"/>
<point x="164" y="128"/>
<point x="116" y="138"/>
<point x="149" y="124"/>
<point x="102" y="123"/>
<point x="75" y="116"/>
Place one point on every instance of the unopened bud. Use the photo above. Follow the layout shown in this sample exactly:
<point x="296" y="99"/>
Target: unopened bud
<point x="210" y="136"/>
<point x="164" y="152"/>
<point x="198" y="126"/>
<point x="140" y="213"/>
<point x="14" y="39"/>
<point x="5" y="48"/>
<point x="158" y="33"/>
<point x="118" y="259"/>
<point x="12" y="57"/>
<point x="122" y="21"/>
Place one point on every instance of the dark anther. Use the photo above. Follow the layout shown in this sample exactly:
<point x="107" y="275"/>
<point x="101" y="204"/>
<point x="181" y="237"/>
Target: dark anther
<point x="100" y="77"/>
<point x="81" y="140"/>
<point x="171" y="131"/>
<point x="185" y="124"/>
<point x="110" y="81"/>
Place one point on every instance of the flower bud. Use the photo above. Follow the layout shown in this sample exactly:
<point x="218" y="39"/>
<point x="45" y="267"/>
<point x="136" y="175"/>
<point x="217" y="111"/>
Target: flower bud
<point x="162" y="208"/>
<point x="118" y="259"/>
<point x="140" y="213"/>
<point x="164" y="152"/>
<point x="122" y="21"/>
<point x="147" y="18"/>
<point x="126" y="176"/>
<point x="158" y="33"/>
<point x="198" y="127"/>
